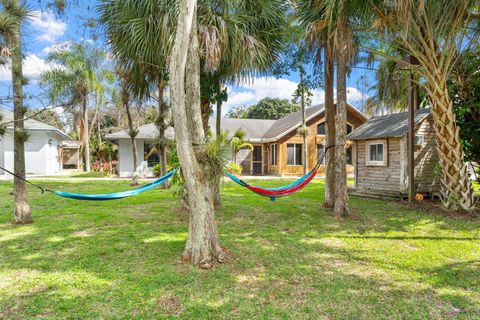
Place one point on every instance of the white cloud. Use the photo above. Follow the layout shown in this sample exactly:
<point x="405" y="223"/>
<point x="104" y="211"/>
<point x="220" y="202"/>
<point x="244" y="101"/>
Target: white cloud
<point x="33" y="66"/>
<point x="251" y="91"/>
<point x="240" y="98"/>
<point x="50" y="29"/>
<point x="62" y="46"/>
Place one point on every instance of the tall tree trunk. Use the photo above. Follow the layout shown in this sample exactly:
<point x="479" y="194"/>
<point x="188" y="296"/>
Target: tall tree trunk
<point x="341" y="206"/>
<point x="217" y="201"/>
<point x="22" y="212"/>
<point x="329" y="131"/>
<point x="162" y="127"/>
<point x="203" y="242"/>
<point x="205" y="108"/>
<point x="86" y="133"/>
<point x="304" y="122"/>
<point x="456" y="188"/>
<point x="218" y="129"/>
<point x="132" y="132"/>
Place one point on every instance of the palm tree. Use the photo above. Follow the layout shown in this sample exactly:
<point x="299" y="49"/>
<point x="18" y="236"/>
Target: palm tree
<point x="78" y="73"/>
<point x="236" y="39"/>
<point x="11" y="20"/>
<point x="238" y="143"/>
<point x="338" y="20"/>
<point x="318" y="36"/>
<point x="433" y="33"/>
<point x="140" y="35"/>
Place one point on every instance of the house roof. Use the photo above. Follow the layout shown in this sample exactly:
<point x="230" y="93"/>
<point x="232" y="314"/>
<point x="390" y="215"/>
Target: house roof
<point x="147" y="131"/>
<point x="291" y="121"/>
<point x="30" y="124"/>
<point x="256" y="130"/>
<point x="389" y="126"/>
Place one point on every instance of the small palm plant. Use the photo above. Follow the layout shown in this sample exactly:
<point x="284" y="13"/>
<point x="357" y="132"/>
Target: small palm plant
<point x="238" y="143"/>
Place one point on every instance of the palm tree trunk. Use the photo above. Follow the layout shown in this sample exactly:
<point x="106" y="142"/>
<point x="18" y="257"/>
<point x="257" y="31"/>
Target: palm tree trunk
<point x="203" y="242"/>
<point x="456" y="188"/>
<point x="329" y="132"/>
<point x="132" y="132"/>
<point x="304" y="123"/>
<point x="341" y="206"/>
<point x="162" y="126"/>
<point x="86" y="133"/>
<point x="217" y="201"/>
<point x="218" y="128"/>
<point x="22" y="212"/>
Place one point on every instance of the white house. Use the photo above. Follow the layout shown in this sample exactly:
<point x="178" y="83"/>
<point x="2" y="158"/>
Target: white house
<point x="146" y="135"/>
<point x="43" y="148"/>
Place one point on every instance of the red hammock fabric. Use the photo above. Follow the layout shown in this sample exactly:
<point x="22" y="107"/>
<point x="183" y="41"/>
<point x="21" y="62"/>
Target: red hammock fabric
<point x="285" y="192"/>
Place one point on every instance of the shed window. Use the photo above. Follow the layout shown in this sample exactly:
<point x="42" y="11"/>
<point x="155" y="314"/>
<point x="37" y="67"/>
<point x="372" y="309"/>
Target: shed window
<point x="376" y="155"/>
<point x="294" y="154"/>
<point x="274" y="155"/>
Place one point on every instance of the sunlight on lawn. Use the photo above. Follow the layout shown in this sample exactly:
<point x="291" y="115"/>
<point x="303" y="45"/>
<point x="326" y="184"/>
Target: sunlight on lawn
<point x="289" y="259"/>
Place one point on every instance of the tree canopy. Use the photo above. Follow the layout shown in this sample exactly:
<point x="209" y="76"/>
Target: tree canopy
<point x="267" y="108"/>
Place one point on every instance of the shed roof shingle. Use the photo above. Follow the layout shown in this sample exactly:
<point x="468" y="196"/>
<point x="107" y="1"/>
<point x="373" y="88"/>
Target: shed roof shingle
<point x="389" y="126"/>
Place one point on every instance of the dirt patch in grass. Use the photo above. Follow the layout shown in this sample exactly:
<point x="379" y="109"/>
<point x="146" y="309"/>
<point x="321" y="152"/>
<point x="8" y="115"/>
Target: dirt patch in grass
<point x="170" y="305"/>
<point x="432" y="206"/>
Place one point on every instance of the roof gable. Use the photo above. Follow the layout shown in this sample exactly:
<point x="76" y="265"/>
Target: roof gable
<point x="29" y="124"/>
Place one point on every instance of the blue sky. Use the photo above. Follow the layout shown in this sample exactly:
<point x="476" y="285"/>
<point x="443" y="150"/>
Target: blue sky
<point x="47" y="30"/>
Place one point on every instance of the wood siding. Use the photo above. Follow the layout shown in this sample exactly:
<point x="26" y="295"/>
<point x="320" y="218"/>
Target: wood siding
<point x="393" y="177"/>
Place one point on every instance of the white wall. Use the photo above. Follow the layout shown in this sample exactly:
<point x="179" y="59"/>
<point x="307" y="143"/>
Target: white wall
<point x="40" y="157"/>
<point x="125" y="156"/>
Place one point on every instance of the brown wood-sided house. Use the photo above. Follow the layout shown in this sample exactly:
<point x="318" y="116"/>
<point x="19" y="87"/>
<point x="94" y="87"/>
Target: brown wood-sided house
<point x="277" y="146"/>
<point x="380" y="155"/>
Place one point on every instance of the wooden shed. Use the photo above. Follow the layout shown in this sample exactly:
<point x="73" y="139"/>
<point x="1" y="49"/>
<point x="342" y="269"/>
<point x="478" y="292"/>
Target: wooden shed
<point x="380" y="155"/>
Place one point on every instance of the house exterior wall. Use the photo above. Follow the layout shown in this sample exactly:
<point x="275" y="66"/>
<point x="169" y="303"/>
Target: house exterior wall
<point x="393" y="177"/>
<point x="313" y="139"/>
<point x="426" y="159"/>
<point x="385" y="178"/>
<point x="40" y="156"/>
<point x="125" y="157"/>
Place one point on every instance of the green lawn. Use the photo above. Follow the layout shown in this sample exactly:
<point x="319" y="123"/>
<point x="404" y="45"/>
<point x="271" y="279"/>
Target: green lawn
<point x="291" y="259"/>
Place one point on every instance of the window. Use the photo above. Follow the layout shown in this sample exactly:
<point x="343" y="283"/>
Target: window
<point x="418" y="140"/>
<point x="320" y="152"/>
<point x="274" y="154"/>
<point x="376" y="153"/>
<point x="149" y="156"/>
<point x="349" y="154"/>
<point x="257" y="153"/>
<point x="349" y="128"/>
<point x="294" y="154"/>
<point x="321" y="128"/>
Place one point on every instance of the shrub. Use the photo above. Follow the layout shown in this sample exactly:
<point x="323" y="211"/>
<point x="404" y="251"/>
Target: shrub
<point x="156" y="170"/>
<point x="107" y="167"/>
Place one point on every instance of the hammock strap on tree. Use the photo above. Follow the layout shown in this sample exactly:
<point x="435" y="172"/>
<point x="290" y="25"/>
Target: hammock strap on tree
<point x="282" y="191"/>
<point x="25" y="180"/>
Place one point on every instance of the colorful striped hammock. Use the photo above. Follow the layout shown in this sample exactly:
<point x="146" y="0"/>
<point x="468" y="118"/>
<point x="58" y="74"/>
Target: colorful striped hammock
<point x="278" y="192"/>
<point x="117" y="195"/>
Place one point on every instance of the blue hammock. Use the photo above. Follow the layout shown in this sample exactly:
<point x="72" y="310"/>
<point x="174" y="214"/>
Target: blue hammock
<point x="117" y="195"/>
